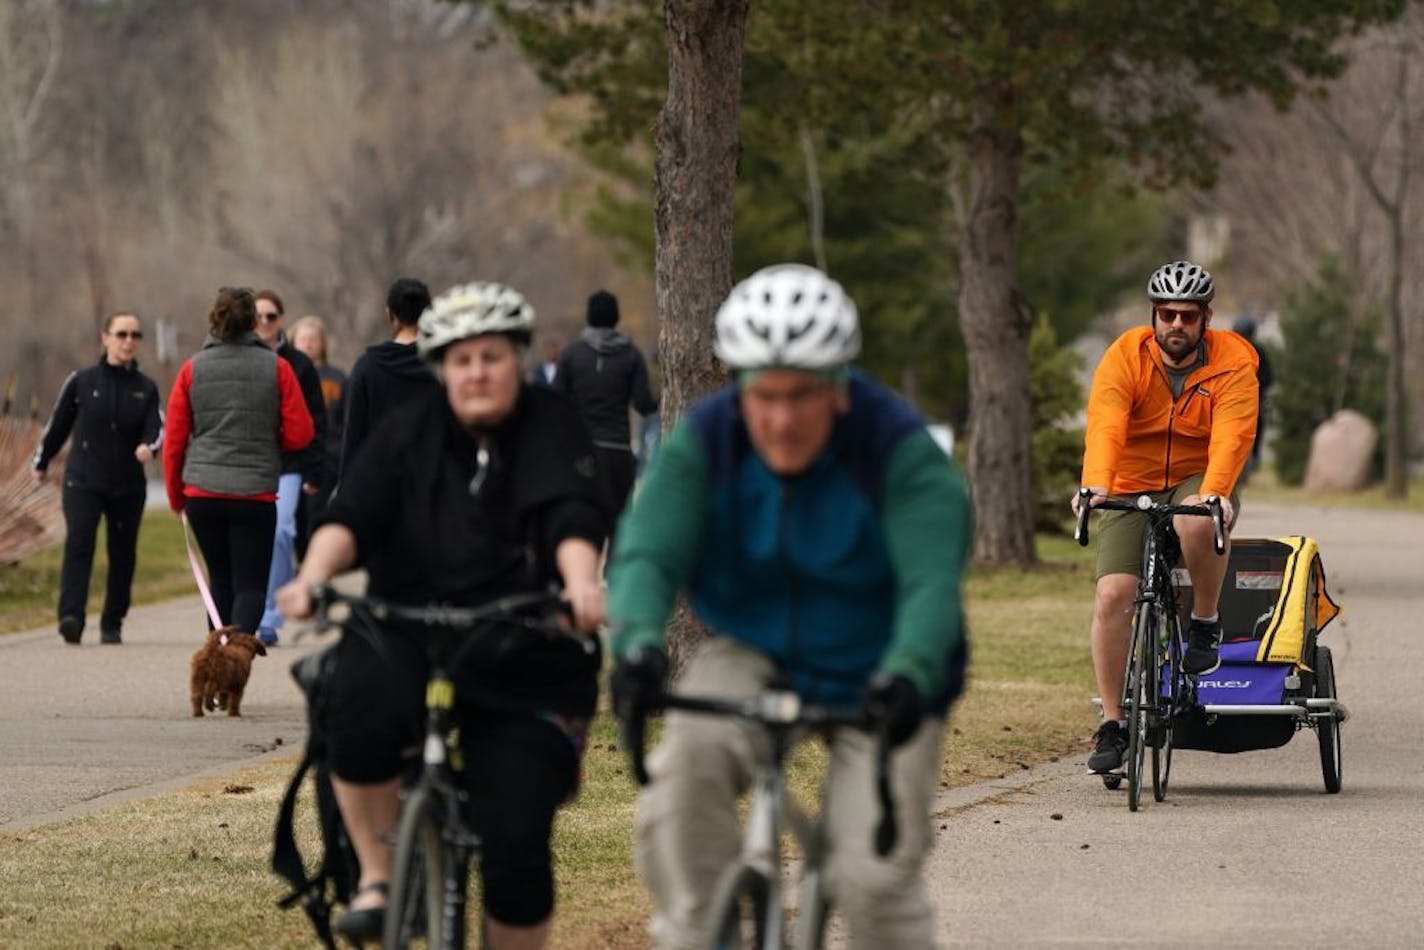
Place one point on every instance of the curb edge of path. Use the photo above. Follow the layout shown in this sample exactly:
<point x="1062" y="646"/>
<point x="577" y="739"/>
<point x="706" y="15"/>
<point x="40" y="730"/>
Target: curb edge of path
<point x="140" y="792"/>
<point x="952" y="800"/>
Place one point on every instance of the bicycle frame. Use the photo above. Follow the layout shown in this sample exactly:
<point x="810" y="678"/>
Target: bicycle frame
<point x="436" y="792"/>
<point x="1156" y="645"/>
<point x="439" y="775"/>
<point x="782" y="715"/>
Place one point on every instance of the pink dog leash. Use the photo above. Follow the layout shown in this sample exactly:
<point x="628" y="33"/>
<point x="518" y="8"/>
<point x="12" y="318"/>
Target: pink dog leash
<point x="199" y="577"/>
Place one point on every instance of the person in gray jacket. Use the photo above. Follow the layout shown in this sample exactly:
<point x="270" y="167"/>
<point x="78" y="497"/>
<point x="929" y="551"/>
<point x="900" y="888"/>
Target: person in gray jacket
<point x="603" y="373"/>
<point x="235" y="408"/>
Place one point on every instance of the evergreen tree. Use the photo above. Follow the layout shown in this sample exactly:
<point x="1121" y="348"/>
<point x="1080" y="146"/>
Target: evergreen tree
<point x="1331" y="361"/>
<point x="989" y="92"/>
<point x="1057" y="399"/>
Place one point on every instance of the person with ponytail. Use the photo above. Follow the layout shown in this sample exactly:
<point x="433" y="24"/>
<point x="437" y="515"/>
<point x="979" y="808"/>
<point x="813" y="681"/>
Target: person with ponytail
<point x="235" y="407"/>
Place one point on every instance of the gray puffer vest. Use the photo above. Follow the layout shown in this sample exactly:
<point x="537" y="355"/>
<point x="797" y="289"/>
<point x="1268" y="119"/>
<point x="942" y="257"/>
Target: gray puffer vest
<point x="236" y="418"/>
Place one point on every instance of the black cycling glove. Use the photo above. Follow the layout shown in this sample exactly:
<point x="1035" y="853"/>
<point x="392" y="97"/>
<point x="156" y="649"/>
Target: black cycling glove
<point x="638" y="678"/>
<point x="894" y="702"/>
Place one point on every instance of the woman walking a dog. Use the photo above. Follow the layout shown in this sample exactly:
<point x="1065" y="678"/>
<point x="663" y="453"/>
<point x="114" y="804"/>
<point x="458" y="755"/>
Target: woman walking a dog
<point x="112" y="409"/>
<point x="479" y="488"/>
<point x="235" y="407"/>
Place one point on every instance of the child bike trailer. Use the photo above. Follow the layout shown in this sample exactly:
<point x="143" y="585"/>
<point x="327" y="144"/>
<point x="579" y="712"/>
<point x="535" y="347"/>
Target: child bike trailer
<point x="1275" y="678"/>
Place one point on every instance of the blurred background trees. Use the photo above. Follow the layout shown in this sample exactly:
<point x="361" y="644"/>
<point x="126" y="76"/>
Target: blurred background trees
<point x="151" y="150"/>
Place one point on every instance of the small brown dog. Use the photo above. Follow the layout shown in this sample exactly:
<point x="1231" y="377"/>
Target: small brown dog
<point x="220" y="670"/>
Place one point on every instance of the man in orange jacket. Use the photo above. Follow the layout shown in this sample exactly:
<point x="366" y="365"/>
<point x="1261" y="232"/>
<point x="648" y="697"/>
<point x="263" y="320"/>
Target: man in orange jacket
<point x="1172" y="414"/>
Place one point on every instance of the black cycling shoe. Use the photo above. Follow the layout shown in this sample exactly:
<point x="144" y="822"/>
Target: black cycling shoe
<point x="1203" y="642"/>
<point x="1109" y="748"/>
<point x="359" y="926"/>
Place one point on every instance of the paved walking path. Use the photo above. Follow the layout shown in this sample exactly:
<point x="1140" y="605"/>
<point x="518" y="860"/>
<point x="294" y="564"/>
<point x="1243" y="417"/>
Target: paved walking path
<point x="1248" y="850"/>
<point x="84" y="727"/>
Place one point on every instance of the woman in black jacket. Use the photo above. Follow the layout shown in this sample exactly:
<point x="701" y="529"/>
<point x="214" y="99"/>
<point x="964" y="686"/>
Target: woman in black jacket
<point x="473" y="490"/>
<point x="113" y="411"/>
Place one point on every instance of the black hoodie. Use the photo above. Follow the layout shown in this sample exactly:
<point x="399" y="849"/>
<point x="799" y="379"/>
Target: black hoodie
<point x="425" y="538"/>
<point x="310" y="461"/>
<point x="603" y="373"/>
<point x="387" y="375"/>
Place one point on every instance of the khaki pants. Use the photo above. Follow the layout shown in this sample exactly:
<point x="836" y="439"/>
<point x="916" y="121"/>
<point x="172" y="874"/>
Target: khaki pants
<point x="687" y="831"/>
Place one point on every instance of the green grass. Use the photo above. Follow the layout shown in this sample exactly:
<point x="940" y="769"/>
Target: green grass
<point x="28" y="589"/>
<point x="189" y="869"/>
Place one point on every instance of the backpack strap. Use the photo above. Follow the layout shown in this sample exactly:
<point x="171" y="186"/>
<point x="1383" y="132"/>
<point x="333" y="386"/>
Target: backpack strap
<point x="287" y="863"/>
<point x="310" y="890"/>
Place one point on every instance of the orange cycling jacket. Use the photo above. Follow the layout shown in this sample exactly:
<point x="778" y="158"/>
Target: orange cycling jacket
<point x="1140" y="439"/>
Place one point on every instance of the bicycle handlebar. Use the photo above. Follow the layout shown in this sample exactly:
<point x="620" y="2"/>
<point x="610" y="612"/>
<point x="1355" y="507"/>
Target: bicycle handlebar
<point x="777" y="709"/>
<point x="1144" y="504"/>
<point x="520" y="609"/>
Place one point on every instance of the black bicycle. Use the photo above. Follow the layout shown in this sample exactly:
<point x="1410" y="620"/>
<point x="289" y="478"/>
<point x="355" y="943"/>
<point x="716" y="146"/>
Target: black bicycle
<point x="434" y="842"/>
<point x="746" y="909"/>
<point x="1155" y="689"/>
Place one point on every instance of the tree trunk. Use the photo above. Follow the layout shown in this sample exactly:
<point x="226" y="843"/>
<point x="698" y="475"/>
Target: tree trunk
<point x="698" y="144"/>
<point x="1396" y="440"/>
<point x="996" y="323"/>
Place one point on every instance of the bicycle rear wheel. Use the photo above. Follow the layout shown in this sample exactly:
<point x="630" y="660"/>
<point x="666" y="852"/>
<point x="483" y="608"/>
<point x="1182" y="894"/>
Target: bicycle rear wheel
<point x="737" y="915"/>
<point x="1327" y="730"/>
<point x="1139" y="701"/>
<point x="422" y="878"/>
<point x="1167" y="706"/>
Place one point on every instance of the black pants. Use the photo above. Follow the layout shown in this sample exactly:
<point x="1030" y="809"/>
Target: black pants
<point x="235" y="536"/>
<point x="519" y="768"/>
<point x="617" y="469"/>
<point x="122" y="515"/>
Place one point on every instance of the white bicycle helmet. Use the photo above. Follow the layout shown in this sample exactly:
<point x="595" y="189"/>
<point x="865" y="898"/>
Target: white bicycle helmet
<point x="1181" y="280"/>
<point x="787" y="315"/>
<point x="473" y="309"/>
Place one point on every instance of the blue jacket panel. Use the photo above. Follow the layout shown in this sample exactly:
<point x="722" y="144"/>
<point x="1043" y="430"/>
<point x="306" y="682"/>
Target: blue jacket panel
<point x="798" y="568"/>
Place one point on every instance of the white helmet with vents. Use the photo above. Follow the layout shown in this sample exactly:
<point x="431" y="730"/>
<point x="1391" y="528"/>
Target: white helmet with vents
<point x="787" y="315"/>
<point x="1181" y="280"/>
<point x="474" y="309"/>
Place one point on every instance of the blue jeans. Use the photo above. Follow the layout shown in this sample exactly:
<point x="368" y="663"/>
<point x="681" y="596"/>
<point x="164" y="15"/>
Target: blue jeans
<point x="284" y="546"/>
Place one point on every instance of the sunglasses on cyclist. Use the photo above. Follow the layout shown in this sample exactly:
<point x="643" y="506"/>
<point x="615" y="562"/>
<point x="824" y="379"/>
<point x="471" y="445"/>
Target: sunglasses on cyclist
<point x="1188" y="318"/>
<point x="127" y="334"/>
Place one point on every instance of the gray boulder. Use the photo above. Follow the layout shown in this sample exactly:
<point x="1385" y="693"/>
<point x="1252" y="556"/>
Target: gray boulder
<point x="1340" y="453"/>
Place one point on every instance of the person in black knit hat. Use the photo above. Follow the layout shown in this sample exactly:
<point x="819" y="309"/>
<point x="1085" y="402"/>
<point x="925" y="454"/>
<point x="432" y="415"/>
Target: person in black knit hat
<point x="603" y="373"/>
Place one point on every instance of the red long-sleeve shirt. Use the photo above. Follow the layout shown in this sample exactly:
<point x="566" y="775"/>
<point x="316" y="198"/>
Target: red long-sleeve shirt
<point x="295" y="431"/>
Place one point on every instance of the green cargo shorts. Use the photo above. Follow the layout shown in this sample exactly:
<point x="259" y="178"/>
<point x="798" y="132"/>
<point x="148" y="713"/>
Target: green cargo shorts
<point x="1121" y="533"/>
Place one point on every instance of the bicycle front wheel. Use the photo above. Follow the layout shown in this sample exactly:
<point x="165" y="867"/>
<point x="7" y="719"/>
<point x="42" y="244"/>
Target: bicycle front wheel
<point x="1139" y="702"/>
<point x="422" y="876"/>
<point x="1168" y="705"/>
<point x="814" y="910"/>
<point x="737" y="917"/>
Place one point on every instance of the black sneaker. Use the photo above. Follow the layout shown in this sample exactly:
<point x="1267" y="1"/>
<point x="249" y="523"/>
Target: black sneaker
<point x="71" y="628"/>
<point x="1110" y="745"/>
<point x="1203" y="640"/>
<point x="110" y="636"/>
